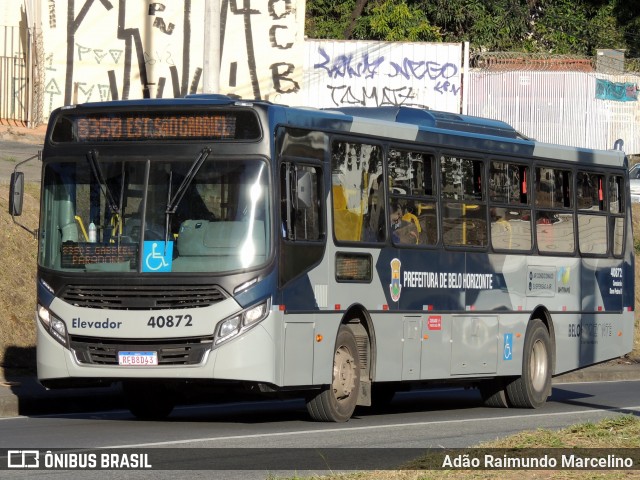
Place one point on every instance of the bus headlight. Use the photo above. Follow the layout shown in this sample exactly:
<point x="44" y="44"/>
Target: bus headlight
<point x="237" y="324"/>
<point x="54" y="325"/>
<point x="229" y="327"/>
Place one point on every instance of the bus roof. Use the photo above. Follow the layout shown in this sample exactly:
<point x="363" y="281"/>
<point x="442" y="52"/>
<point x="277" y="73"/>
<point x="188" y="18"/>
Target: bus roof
<point x="397" y="122"/>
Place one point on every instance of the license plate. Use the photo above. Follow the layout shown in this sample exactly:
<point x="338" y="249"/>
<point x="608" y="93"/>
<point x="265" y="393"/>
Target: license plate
<point x="138" y="358"/>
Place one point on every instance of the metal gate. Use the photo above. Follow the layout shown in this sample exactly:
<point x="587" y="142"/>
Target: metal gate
<point x="16" y="74"/>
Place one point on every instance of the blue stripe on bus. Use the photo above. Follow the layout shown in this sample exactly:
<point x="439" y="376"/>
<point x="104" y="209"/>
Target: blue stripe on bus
<point x="45" y="297"/>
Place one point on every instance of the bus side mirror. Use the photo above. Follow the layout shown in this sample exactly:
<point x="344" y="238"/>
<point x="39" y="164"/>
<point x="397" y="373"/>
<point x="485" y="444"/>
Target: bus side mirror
<point x="16" y="194"/>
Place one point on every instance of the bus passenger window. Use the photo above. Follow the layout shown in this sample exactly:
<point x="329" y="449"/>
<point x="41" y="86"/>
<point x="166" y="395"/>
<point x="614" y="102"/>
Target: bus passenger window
<point x="553" y="188"/>
<point x="464" y="213"/>
<point x="358" y="192"/>
<point x="411" y="173"/>
<point x="592" y="217"/>
<point x="509" y="212"/>
<point x="616" y="210"/>
<point x="412" y="191"/>
<point x="508" y="183"/>
<point x="510" y="228"/>
<point x="554" y="232"/>
<point x="405" y="226"/>
<point x="554" y="220"/>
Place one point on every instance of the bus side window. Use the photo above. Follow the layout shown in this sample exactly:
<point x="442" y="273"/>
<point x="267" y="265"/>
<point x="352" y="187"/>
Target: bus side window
<point x="300" y="205"/>
<point x="357" y="185"/>
<point x="509" y="209"/>
<point x="616" y="212"/>
<point x="555" y="217"/>
<point x="464" y="209"/>
<point x="412" y="198"/>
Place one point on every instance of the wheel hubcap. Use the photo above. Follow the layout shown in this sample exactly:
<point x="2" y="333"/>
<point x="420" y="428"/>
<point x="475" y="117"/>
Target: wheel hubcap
<point x="539" y="365"/>
<point x="344" y="373"/>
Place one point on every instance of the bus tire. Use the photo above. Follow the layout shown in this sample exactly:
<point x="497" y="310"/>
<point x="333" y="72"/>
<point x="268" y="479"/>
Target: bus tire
<point x="493" y="393"/>
<point x="148" y="401"/>
<point x="534" y="386"/>
<point x="337" y="402"/>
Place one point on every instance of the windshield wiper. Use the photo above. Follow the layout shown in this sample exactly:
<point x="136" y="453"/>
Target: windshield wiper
<point x="92" y="156"/>
<point x="174" y="201"/>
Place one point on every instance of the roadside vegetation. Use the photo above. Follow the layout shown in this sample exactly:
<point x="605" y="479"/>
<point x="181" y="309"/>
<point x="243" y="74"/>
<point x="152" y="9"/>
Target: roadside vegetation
<point x="18" y="282"/>
<point x="566" y="27"/>
<point x="620" y="432"/>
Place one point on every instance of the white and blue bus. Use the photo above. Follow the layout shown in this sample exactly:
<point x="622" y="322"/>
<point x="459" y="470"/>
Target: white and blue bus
<point x="343" y="255"/>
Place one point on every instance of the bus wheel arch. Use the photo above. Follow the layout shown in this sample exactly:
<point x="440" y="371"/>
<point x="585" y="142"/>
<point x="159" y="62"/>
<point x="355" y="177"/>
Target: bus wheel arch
<point x="544" y="316"/>
<point x="351" y="375"/>
<point x="358" y="319"/>
<point x="337" y="401"/>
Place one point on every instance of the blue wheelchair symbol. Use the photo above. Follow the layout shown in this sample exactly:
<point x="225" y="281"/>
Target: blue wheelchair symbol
<point x="508" y="346"/>
<point x="157" y="258"/>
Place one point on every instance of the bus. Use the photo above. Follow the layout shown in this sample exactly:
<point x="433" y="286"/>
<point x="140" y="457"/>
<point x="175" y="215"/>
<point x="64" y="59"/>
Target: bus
<point x="340" y="255"/>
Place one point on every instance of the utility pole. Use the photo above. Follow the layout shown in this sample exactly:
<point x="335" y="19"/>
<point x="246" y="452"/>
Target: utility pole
<point x="211" y="50"/>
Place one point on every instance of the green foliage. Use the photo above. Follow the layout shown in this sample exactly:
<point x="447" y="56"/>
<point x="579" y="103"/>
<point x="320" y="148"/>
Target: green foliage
<point x="576" y="27"/>
<point x="561" y="27"/>
<point x="395" y="20"/>
<point x="328" y="18"/>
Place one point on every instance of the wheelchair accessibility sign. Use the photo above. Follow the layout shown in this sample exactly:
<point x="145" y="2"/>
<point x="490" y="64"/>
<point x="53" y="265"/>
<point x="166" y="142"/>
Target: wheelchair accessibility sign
<point x="508" y="347"/>
<point x="157" y="256"/>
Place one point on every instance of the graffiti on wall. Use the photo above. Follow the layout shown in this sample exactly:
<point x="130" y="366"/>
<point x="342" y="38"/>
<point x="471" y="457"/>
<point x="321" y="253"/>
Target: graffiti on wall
<point x="98" y="50"/>
<point x="119" y="49"/>
<point x="619" y="92"/>
<point x="372" y="74"/>
<point x="262" y="48"/>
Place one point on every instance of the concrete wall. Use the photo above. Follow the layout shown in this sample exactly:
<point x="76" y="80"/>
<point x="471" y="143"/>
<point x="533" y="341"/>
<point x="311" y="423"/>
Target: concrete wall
<point x="374" y="74"/>
<point x="124" y="49"/>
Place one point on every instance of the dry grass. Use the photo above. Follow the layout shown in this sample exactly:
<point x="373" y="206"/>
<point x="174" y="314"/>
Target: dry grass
<point x="636" y="235"/>
<point x="613" y="433"/>
<point x="18" y="281"/>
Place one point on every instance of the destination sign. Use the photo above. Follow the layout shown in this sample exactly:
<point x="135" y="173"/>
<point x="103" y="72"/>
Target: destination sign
<point x="77" y="255"/>
<point x="163" y="126"/>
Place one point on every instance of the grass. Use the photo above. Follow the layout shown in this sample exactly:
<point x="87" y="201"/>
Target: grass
<point x="613" y="434"/>
<point x="18" y="281"/>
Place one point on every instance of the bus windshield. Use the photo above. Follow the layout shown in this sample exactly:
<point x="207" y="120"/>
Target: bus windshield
<point x="106" y="213"/>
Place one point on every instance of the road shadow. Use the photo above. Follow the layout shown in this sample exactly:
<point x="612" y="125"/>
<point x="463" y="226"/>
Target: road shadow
<point x="578" y="399"/>
<point x="22" y="394"/>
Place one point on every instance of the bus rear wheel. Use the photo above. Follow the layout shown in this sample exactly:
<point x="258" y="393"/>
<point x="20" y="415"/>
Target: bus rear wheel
<point x="337" y="402"/>
<point x="532" y="389"/>
<point x="493" y="393"/>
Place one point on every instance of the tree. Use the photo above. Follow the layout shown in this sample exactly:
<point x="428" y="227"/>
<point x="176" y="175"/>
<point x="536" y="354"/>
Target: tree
<point x="397" y="20"/>
<point x="388" y="20"/>
<point x="328" y="18"/>
<point x="576" y="27"/>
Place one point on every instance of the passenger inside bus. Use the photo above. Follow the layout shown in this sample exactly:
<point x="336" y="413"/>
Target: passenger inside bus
<point x="402" y="231"/>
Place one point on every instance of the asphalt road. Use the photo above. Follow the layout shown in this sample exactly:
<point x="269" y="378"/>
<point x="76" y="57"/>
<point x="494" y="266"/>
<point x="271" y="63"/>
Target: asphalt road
<point x="448" y="418"/>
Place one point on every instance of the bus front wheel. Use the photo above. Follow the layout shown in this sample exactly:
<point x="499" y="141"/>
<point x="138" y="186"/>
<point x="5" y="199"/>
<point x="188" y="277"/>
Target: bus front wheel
<point x="534" y="386"/>
<point x="337" y="402"/>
